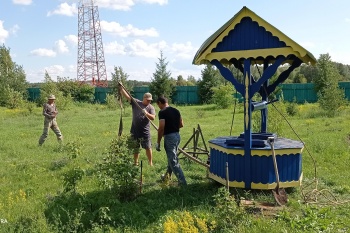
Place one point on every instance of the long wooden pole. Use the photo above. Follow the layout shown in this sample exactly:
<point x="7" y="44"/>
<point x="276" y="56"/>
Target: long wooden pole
<point x="132" y="99"/>
<point x="180" y="149"/>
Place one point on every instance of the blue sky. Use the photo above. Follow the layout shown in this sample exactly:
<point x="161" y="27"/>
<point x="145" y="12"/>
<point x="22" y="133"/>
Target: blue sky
<point x="42" y="34"/>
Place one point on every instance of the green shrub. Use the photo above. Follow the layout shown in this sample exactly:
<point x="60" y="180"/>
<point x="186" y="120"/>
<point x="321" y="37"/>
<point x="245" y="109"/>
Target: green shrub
<point x="331" y="100"/>
<point x="111" y="102"/>
<point x="117" y="171"/>
<point x="71" y="179"/>
<point x="10" y="98"/>
<point x="292" y="109"/>
<point x="85" y="93"/>
<point x="223" y="96"/>
<point x="276" y="111"/>
<point x="228" y="214"/>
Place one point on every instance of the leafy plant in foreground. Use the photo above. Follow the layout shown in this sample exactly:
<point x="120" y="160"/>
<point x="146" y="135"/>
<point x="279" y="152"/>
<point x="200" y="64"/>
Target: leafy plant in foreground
<point x="229" y="214"/>
<point x="117" y="171"/>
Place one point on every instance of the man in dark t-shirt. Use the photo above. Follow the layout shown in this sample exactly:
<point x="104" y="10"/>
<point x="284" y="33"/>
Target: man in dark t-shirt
<point x="170" y="122"/>
<point x="142" y="113"/>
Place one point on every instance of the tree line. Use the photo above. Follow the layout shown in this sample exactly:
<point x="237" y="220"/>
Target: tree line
<point x="212" y="87"/>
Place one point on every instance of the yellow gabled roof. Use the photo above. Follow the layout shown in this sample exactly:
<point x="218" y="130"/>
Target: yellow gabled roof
<point x="205" y="53"/>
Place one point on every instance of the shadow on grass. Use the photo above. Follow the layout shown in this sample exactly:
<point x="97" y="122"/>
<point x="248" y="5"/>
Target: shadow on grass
<point x="81" y="212"/>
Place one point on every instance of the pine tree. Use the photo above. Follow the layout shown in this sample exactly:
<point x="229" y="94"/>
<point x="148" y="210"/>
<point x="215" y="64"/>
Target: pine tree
<point x="119" y="76"/>
<point x="210" y="78"/>
<point x="330" y="96"/>
<point x="161" y="83"/>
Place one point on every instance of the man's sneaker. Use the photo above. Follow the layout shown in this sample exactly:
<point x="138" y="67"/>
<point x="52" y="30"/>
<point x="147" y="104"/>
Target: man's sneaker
<point x="165" y="177"/>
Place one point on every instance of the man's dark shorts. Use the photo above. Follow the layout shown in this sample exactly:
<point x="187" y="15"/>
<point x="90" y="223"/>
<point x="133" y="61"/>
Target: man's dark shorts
<point x="144" y="143"/>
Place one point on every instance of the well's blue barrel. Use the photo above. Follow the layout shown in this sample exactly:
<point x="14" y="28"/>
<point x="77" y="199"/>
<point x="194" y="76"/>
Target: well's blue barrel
<point x="261" y="171"/>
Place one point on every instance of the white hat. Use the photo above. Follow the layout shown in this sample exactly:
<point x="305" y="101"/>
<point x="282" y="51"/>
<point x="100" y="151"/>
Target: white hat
<point x="147" y="96"/>
<point x="52" y="97"/>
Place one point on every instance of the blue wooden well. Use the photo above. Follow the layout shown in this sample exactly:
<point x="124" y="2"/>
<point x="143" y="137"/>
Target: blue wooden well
<point x="244" y="41"/>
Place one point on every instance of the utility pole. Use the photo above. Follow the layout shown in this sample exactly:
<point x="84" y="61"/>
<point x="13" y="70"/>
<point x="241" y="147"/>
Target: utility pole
<point x="91" y="62"/>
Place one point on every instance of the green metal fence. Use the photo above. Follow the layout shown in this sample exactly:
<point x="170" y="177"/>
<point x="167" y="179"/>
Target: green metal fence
<point x="33" y="93"/>
<point x="101" y="94"/>
<point x="298" y="92"/>
<point x="346" y="87"/>
<point x="138" y="92"/>
<point x="183" y="94"/>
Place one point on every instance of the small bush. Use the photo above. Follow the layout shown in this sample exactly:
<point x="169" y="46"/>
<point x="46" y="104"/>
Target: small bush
<point x="223" y="96"/>
<point x="71" y="179"/>
<point x="11" y="98"/>
<point x="111" y="102"/>
<point x="117" y="171"/>
<point x="331" y="100"/>
<point x="228" y="214"/>
<point x="292" y="109"/>
<point x="30" y="106"/>
<point x="276" y="111"/>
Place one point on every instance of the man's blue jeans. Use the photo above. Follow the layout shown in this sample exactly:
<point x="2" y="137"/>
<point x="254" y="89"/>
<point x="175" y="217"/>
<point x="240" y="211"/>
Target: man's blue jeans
<point x="171" y="144"/>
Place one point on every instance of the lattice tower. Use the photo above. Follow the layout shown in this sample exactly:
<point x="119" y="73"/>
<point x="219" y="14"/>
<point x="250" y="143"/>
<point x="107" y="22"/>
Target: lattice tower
<point x="91" y="62"/>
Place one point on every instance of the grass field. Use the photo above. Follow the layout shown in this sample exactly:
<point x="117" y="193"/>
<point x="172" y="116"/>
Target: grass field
<point x="31" y="177"/>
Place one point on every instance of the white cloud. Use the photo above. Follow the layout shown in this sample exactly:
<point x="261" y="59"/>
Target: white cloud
<point x="142" y="49"/>
<point x="126" y="5"/>
<point x="123" y="5"/>
<point x="114" y="48"/>
<point x="340" y="56"/>
<point x="64" y="9"/>
<point x="129" y="30"/>
<point x="183" y="51"/>
<point x="195" y="72"/>
<point x="54" y="71"/>
<point x="43" y="52"/>
<point x="71" y="39"/>
<point x="140" y="75"/>
<point x="308" y="44"/>
<point x="22" y="2"/>
<point x="14" y="29"/>
<point x="61" y="47"/>
<point x="347" y="20"/>
<point x="160" y="2"/>
<point x="72" y="69"/>
<point x="3" y="33"/>
<point x="34" y="76"/>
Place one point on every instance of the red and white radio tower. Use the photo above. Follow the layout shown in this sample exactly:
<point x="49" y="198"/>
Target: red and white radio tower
<point x="91" y="61"/>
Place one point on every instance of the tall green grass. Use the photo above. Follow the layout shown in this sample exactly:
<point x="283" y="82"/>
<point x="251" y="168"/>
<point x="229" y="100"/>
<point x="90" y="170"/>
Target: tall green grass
<point x="32" y="178"/>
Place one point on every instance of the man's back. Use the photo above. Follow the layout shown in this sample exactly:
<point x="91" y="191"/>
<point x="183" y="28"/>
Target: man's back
<point x="172" y="119"/>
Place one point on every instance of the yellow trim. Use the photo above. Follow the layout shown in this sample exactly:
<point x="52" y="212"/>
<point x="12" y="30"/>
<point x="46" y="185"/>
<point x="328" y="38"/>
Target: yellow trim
<point x="293" y="151"/>
<point x="273" y="185"/>
<point x="256" y="185"/>
<point x="227" y="151"/>
<point x="222" y="32"/>
<point x="242" y="54"/>
<point x="223" y="181"/>
<point x="261" y="152"/>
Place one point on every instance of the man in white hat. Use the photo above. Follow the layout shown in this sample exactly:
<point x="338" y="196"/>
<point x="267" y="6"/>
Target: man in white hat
<point x="50" y="112"/>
